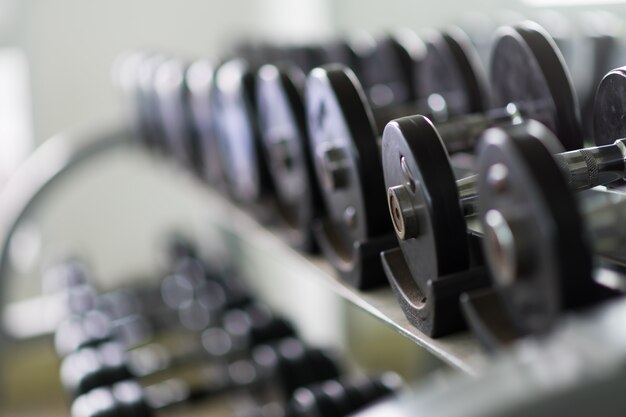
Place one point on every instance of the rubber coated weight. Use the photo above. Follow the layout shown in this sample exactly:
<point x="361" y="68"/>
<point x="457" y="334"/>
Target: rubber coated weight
<point x="386" y="65"/>
<point x="610" y="108"/>
<point x="448" y="80"/>
<point x="234" y="108"/>
<point x="547" y="267"/>
<point x="413" y="154"/>
<point x="174" y="103"/>
<point x="528" y="70"/>
<point x="285" y="140"/>
<point x="199" y="78"/>
<point x="345" y="154"/>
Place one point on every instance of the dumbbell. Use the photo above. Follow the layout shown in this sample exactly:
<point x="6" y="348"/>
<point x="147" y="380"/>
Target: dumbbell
<point x="601" y="42"/>
<point x="273" y="374"/>
<point x="343" y="140"/>
<point x="199" y="77"/>
<point x="98" y="362"/>
<point x="194" y="301"/>
<point x="282" y="119"/>
<point x="141" y="84"/>
<point x="173" y="93"/>
<point x="67" y="281"/>
<point x="342" y="397"/>
<point x="539" y="238"/>
<point x="437" y="260"/>
<point x="235" y="108"/>
<point x="410" y="156"/>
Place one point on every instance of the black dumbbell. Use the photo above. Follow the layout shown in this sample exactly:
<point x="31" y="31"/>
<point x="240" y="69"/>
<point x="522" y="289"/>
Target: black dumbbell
<point x="411" y="160"/>
<point x="434" y="265"/>
<point x="173" y="94"/>
<point x="238" y="332"/>
<point x="343" y="396"/>
<point x="67" y="281"/>
<point x="597" y="53"/>
<point x="538" y="239"/>
<point x="273" y="374"/>
<point x="345" y="148"/>
<point x="199" y="78"/>
<point x="142" y="86"/>
<point x="235" y="110"/>
<point x="282" y="119"/>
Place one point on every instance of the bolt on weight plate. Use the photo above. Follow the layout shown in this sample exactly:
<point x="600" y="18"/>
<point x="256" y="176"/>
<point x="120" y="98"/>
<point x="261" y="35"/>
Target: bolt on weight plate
<point x="527" y="69"/>
<point x="423" y="200"/>
<point x="285" y="142"/>
<point x="610" y="108"/>
<point x="172" y="90"/>
<point x="345" y="154"/>
<point x="534" y="240"/>
<point x="237" y="133"/>
<point x="450" y="80"/>
<point x="199" y="77"/>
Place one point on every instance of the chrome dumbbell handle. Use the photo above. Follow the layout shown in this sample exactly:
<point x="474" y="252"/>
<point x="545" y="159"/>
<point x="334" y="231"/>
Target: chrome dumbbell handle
<point x="583" y="169"/>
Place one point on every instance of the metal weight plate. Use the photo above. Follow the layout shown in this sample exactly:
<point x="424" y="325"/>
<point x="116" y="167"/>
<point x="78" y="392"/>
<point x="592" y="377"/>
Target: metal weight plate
<point x="450" y="79"/>
<point x="610" y="108"/>
<point x="126" y="76"/>
<point x="285" y="140"/>
<point x="173" y="95"/>
<point x="200" y="83"/>
<point x="414" y="155"/>
<point x="527" y="70"/>
<point x="534" y="240"/>
<point x="385" y="70"/>
<point x="148" y="102"/>
<point x="232" y="104"/>
<point x="340" y="52"/>
<point x="345" y="153"/>
<point x="602" y="35"/>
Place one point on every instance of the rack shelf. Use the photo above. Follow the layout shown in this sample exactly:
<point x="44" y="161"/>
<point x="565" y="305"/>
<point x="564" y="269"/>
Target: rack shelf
<point x="260" y="242"/>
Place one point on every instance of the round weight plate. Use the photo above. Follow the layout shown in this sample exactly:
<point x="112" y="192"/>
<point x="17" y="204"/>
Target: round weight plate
<point x="534" y="240"/>
<point x="450" y="79"/>
<point x="610" y="108"/>
<point x="200" y="82"/>
<point x="385" y="69"/>
<point x="528" y="70"/>
<point x="414" y="155"/>
<point x="283" y="133"/>
<point x="148" y="101"/>
<point x="235" y="130"/>
<point x="340" y="52"/>
<point x="345" y="153"/>
<point x="173" y="94"/>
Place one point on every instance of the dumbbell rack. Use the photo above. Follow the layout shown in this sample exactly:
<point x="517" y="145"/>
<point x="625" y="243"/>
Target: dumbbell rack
<point x="261" y="245"/>
<point x="257" y="244"/>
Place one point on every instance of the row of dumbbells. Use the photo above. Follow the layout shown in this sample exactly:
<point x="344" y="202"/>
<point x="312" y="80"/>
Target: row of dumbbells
<point x="373" y="158"/>
<point x="132" y="353"/>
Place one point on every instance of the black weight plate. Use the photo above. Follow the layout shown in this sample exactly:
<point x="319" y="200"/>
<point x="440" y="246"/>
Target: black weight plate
<point x="340" y="52"/>
<point x="610" y="108"/>
<point x="552" y="258"/>
<point x="199" y="78"/>
<point x="173" y="94"/>
<point x="339" y="118"/>
<point x="451" y="75"/>
<point x="283" y="132"/>
<point x="528" y="70"/>
<point x="385" y="69"/>
<point x="441" y="246"/>
<point x="232" y="104"/>
<point x="148" y="102"/>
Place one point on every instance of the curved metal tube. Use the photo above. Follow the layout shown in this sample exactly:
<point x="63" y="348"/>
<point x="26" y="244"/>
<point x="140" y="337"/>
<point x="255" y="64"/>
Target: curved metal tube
<point x="42" y="169"/>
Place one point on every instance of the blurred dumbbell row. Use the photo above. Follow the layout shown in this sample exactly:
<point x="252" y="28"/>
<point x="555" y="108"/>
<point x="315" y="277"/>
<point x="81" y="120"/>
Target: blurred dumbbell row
<point x="407" y="165"/>
<point x="198" y="336"/>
